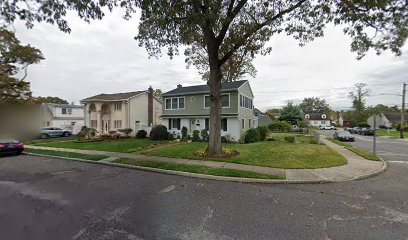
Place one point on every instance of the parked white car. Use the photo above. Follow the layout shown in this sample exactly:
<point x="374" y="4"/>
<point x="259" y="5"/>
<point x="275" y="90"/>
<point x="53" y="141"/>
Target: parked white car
<point x="54" y="132"/>
<point x="327" y="128"/>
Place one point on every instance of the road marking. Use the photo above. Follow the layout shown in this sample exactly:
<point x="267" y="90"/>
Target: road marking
<point x="168" y="189"/>
<point x="398" y="161"/>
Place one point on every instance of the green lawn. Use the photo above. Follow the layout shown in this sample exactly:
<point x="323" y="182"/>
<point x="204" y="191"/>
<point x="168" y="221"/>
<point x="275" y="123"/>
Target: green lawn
<point x="363" y="153"/>
<point x="197" y="169"/>
<point x="270" y="154"/>
<point x="66" y="154"/>
<point x="392" y="133"/>
<point x="117" y="145"/>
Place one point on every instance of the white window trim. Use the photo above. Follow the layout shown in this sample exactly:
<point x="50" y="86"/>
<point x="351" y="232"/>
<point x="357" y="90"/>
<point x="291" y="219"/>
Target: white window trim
<point x="171" y="103"/>
<point x="114" y="106"/>
<point x="239" y="102"/>
<point x="229" y="100"/>
<point x="243" y="124"/>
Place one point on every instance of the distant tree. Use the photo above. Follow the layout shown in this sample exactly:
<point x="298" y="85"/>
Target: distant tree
<point x="314" y="105"/>
<point x="358" y="96"/>
<point x="15" y="58"/>
<point x="49" y="100"/>
<point x="381" y="108"/>
<point x="158" y="93"/>
<point x="274" y="110"/>
<point x="224" y="27"/>
<point x="291" y="113"/>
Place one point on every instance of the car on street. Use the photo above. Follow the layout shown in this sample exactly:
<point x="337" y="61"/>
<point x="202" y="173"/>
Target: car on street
<point x="48" y="132"/>
<point x="367" y="132"/>
<point x="343" y="136"/>
<point x="11" y="146"/>
<point x="327" y="128"/>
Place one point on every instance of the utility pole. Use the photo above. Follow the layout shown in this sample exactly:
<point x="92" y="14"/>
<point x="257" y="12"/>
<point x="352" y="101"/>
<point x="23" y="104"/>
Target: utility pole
<point x="402" y="111"/>
<point x="375" y="136"/>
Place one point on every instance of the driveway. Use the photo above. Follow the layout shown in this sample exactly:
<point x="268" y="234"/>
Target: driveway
<point x="47" y="198"/>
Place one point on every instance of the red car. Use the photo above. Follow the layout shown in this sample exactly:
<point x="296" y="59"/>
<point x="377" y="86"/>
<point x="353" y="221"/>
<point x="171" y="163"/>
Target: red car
<point x="10" y="146"/>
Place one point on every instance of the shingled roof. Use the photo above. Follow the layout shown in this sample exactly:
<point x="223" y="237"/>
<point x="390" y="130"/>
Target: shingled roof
<point x="113" y="97"/>
<point x="395" y="117"/>
<point x="204" y="88"/>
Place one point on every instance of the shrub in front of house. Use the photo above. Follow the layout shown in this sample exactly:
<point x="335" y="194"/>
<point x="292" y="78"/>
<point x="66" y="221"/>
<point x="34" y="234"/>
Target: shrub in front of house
<point x="171" y="137"/>
<point x="159" y="133"/>
<point x="105" y="136"/>
<point x="279" y="126"/>
<point x="227" y="139"/>
<point x="196" y="136"/>
<point x="398" y="127"/>
<point x="141" y="134"/>
<point x="363" y="125"/>
<point x="263" y="132"/>
<point x="252" y="136"/>
<point x="204" y="135"/>
<point x="126" y="131"/>
<point x="184" y="133"/>
<point x="290" y="139"/>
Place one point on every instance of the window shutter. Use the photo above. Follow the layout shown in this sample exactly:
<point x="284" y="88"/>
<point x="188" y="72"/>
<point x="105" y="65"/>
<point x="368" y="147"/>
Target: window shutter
<point x="224" y="124"/>
<point x="178" y="124"/>
<point x="207" y="124"/>
<point x="169" y="123"/>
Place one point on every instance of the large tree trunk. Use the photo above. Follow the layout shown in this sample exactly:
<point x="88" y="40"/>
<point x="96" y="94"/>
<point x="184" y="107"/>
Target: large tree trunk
<point x="214" y="143"/>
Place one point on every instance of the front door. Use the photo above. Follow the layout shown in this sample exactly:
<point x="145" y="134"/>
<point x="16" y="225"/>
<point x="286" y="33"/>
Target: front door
<point x="106" y="126"/>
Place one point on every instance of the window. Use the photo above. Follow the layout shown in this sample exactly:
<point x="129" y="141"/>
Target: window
<point x="243" y="124"/>
<point x="64" y="111"/>
<point x="175" y="103"/>
<point x="206" y="101"/>
<point x="175" y="123"/>
<point x="117" y="124"/>
<point x="323" y="122"/>
<point x="118" y="106"/>
<point x="69" y="111"/>
<point x="246" y="102"/>
<point x="73" y="123"/>
<point x="224" y="124"/>
<point x="225" y="101"/>
<point x="94" y="124"/>
<point x="207" y="124"/>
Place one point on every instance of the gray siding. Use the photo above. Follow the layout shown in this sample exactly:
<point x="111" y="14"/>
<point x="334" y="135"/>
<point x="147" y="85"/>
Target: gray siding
<point x="196" y="107"/>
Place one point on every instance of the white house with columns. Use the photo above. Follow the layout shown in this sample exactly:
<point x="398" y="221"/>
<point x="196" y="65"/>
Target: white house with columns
<point x="110" y="112"/>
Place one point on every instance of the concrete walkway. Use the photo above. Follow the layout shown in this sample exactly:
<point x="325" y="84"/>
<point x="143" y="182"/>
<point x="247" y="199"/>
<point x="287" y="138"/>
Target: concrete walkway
<point x="356" y="168"/>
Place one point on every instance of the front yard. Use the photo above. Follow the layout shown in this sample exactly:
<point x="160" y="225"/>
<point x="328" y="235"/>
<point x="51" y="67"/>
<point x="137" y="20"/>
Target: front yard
<point x="114" y="145"/>
<point x="391" y="133"/>
<point x="269" y="154"/>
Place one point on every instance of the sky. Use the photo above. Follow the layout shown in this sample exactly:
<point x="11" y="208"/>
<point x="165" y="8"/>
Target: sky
<point x="103" y="57"/>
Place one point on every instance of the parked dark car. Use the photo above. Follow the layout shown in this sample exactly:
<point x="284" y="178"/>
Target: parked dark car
<point x="382" y="126"/>
<point x="10" y="146"/>
<point x="354" y="130"/>
<point x="368" y="132"/>
<point x="343" y="136"/>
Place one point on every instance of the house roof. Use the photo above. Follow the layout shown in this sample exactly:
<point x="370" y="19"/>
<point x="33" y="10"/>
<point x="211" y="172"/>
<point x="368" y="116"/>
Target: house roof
<point x="258" y="112"/>
<point x="64" y="105"/>
<point x="204" y="88"/>
<point x="395" y="117"/>
<point x="316" y="116"/>
<point x="113" y="97"/>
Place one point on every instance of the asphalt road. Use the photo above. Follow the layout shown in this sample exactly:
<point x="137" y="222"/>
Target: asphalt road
<point x="46" y="198"/>
<point x="393" y="150"/>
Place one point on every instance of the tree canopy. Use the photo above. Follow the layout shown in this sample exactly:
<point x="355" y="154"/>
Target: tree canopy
<point x="49" y="99"/>
<point x="291" y="113"/>
<point x="314" y="105"/>
<point x="15" y="58"/>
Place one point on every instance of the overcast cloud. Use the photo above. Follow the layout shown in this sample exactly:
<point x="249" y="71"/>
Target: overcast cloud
<point x="103" y="57"/>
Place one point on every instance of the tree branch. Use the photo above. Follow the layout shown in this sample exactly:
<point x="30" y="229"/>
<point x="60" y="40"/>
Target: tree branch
<point x="231" y="14"/>
<point x="257" y="28"/>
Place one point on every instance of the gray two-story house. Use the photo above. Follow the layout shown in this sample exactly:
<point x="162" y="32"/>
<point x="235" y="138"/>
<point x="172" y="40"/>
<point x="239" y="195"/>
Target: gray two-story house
<point x="190" y="107"/>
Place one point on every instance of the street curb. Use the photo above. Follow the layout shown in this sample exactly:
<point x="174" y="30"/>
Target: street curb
<point x="212" y="177"/>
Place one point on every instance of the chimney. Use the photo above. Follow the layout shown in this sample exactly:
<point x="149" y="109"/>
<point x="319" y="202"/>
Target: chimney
<point x="179" y="85"/>
<point x="150" y="106"/>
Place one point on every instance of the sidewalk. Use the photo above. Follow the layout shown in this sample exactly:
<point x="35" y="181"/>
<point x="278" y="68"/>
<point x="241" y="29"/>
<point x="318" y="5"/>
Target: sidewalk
<point x="356" y="168"/>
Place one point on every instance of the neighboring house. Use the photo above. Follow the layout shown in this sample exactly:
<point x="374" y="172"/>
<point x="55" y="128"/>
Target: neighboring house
<point x="111" y="112"/>
<point x="64" y="116"/>
<point x="341" y="121"/>
<point x="263" y="119"/>
<point x="386" y="119"/>
<point x="318" y="119"/>
<point x="190" y="107"/>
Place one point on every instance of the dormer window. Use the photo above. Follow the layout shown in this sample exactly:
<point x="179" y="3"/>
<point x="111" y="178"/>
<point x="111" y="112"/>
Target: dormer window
<point x="307" y="116"/>
<point x="323" y="116"/>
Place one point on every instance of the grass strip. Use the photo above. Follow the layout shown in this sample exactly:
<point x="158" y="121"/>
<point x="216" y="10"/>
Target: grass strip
<point x="66" y="154"/>
<point x="363" y="153"/>
<point x="197" y="169"/>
